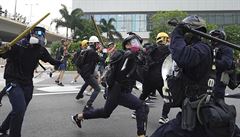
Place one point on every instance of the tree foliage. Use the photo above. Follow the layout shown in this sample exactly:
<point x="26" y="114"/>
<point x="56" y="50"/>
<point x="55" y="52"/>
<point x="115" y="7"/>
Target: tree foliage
<point x="109" y="29"/>
<point x="233" y="36"/>
<point x="70" y="21"/>
<point x="159" y="21"/>
<point x="86" y="31"/>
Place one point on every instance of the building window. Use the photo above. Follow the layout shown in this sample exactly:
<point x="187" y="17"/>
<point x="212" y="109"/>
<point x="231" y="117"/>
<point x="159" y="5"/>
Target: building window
<point x="126" y="22"/>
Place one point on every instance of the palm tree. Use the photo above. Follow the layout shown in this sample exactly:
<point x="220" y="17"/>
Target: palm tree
<point x="108" y="27"/>
<point x="70" y="21"/>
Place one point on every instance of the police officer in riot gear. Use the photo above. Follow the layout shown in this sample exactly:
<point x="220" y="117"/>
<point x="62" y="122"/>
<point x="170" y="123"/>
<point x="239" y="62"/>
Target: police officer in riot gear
<point x="224" y="63"/>
<point x="194" y="57"/>
<point x="120" y="80"/>
<point x="22" y="59"/>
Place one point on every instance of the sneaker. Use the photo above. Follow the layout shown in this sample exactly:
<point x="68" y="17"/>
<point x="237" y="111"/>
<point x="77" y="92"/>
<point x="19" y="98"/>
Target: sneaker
<point x="57" y="81"/>
<point x="76" y="121"/>
<point x="88" y="93"/>
<point x="134" y="86"/>
<point x="74" y="81"/>
<point x="152" y="97"/>
<point x="148" y="101"/>
<point x="163" y="120"/>
<point x="60" y="84"/>
<point x="87" y="108"/>
<point x="134" y="115"/>
<point x="79" y="96"/>
<point x="3" y="132"/>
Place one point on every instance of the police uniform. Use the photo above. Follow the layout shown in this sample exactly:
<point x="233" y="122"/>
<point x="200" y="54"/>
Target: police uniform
<point x="195" y="60"/>
<point x="224" y="61"/>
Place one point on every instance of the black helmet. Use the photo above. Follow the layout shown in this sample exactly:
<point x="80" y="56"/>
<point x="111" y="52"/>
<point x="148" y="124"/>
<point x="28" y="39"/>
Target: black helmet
<point x="218" y="33"/>
<point x="39" y="31"/>
<point x="196" y="23"/>
<point x="130" y="37"/>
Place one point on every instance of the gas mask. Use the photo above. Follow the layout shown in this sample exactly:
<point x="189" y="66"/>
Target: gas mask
<point x="135" y="45"/>
<point x="38" y="38"/>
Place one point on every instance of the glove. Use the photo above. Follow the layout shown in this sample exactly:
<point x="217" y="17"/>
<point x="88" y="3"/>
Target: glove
<point x="182" y="28"/>
<point x="4" y="47"/>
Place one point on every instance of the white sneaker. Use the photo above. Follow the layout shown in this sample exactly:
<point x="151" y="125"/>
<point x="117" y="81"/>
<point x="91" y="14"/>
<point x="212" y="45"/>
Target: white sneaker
<point x="74" y="81"/>
<point x="163" y="120"/>
<point x="88" y="93"/>
<point x="134" y="115"/>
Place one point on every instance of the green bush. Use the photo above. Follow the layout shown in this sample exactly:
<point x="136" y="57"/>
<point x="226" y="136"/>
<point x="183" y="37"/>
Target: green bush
<point x="72" y="49"/>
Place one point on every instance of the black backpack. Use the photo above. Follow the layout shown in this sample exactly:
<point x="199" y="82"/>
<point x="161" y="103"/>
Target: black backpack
<point x="75" y="56"/>
<point x="115" y="60"/>
<point x="80" y="59"/>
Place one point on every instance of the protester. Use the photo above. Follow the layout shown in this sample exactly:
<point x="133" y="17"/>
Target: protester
<point x="22" y="59"/>
<point x="120" y="84"/>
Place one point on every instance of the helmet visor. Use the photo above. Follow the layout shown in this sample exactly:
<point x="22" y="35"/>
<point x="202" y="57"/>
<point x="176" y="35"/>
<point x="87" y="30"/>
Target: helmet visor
<point x="135" y="45"/>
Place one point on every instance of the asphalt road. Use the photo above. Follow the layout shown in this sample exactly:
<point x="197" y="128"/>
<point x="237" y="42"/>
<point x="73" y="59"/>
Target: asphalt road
<point x="49" y="112"/>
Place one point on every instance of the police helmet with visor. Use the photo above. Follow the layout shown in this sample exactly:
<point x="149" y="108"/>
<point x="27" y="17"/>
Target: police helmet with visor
<point x="218" y="33"/>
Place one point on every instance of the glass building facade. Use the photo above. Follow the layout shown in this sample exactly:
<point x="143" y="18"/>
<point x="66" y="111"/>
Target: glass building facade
<point x="134" y="15"/>
<point x="126" y="22"/>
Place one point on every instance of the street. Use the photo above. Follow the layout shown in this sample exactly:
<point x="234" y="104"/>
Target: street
<point x="49" y="112"/>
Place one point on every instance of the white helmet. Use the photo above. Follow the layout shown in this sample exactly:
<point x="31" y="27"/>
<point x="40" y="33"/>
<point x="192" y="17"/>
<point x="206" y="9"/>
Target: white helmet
<point x="93" y="39"/>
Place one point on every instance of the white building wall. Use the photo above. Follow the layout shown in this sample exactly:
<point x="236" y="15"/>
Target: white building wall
<point x="155" y="5"/>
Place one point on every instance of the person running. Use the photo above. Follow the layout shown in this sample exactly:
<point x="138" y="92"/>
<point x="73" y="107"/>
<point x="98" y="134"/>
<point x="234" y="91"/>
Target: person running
<point x="120" y="82"/>
<point x="83" y="46"/>
<point x="86" y="66"/>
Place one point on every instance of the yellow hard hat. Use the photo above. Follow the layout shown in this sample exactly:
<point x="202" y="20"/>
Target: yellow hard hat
<point x="162" y="37"/>
<point x="84" y="43"/>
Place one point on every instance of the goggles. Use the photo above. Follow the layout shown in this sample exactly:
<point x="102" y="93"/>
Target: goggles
<point x="39" y="33"/>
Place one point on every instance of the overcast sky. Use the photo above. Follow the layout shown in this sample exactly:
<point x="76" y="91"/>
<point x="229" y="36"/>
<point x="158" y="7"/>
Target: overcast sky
<point x="39" y="8"/>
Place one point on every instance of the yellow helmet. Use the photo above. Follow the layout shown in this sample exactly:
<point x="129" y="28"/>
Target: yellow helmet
<point x="84" y="43"/>
<point x="162" y="37"/>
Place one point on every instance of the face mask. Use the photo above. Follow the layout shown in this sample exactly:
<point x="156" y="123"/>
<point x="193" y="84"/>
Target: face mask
<point x="38" y="41"/>
<point x="33" y="40"/>
<point x="135" y="45"/>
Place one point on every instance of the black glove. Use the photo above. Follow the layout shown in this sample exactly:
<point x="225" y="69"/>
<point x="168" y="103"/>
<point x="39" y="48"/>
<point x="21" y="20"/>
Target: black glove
<point x="181" y="29"/>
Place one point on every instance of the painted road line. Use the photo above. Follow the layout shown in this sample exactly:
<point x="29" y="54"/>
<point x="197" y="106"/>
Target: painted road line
<point x="59" y="93"/>
<point x="59" y="88"/>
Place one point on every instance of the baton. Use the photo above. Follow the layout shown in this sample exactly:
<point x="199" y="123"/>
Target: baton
<point x="174" y="22"/>
<point x="98" y="32"/>
<point x="4" y="49"/>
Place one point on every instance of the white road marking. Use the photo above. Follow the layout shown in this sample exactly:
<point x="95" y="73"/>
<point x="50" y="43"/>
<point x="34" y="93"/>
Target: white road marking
<point x="59" y="88"/>
<point x="60" y="93"/>
<point x="67" y="89"/>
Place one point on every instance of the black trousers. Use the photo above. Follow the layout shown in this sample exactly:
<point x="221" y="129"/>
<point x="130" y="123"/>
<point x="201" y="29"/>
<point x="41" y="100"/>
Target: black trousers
<point x="116" y="97"/>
